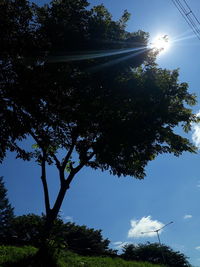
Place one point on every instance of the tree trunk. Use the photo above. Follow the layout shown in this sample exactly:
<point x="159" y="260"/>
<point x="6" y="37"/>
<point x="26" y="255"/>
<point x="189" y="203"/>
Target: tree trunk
<point x="46" y="253"/>
<point x="53" y="213"/>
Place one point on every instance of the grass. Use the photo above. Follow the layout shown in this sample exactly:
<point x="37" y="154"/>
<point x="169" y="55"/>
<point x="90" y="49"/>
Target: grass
<point x="10" y="254"/>
<point x="69" y="259"/>
<point x="19" y="256"/>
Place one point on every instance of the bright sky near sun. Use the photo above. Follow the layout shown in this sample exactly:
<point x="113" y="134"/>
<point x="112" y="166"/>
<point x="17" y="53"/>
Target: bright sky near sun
<point x="125" y="207"/>
<point x="161" y="42"/>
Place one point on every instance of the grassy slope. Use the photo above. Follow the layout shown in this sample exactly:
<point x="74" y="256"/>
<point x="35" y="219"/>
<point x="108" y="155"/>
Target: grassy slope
<point x="74" y="260"/>
<point x="9" y="256"/>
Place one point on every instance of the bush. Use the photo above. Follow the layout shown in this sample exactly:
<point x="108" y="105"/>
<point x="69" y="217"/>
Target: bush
<point x="155" y="253"/>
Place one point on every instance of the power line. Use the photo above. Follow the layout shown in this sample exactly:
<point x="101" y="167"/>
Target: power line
<point x="191" y="11"/>
<point x="191" y="16"/>
<point x="188" y="15"/>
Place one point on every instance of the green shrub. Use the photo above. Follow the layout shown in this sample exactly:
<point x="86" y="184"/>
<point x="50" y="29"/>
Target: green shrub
<point x="11" y="254"/>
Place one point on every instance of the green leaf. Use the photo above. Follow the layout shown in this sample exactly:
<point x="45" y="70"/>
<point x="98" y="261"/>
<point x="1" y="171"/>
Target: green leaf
<point x="35" y="146"/>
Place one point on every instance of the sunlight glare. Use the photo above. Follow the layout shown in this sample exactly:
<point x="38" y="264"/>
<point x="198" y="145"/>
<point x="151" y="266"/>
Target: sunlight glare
<point x="161" y="42"/>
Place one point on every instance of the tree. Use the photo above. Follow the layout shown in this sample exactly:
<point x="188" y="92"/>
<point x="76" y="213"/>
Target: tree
<point x="85" y="241"/>
<point x="6" y="215"/>
<point x="117" y="122"/>
<point x="27" y="230"/>
<point x="154" y="253"/>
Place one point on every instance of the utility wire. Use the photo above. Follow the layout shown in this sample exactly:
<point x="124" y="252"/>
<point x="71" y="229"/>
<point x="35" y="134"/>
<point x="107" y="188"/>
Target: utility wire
<point x="191" y="17"/>
<point x="191" y="11"/>
<point x="188" y="15"/>
<point x="181" y="11"/>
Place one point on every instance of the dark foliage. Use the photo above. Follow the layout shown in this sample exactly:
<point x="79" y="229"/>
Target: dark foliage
<point x="28" y="230"/>
<point x="156" y="254"/>
<point x="85" y="241"/>
<point x="6" y="215"/>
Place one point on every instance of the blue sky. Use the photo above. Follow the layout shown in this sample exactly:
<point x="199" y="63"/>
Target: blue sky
<point x="118" y="206"/>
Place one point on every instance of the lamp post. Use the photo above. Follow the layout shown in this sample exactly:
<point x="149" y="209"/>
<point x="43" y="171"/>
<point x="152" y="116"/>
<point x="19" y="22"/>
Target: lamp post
<point x="157" y="233"/>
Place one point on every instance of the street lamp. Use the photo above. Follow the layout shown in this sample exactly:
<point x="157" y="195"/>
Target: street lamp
<point x="157" y="232"/>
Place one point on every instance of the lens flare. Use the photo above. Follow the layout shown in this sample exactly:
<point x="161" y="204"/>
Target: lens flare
<point x="160" y="43"/>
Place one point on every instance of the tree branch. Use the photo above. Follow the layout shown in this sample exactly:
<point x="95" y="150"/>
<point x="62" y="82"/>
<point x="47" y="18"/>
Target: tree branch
<point x="36" y="139"/>
<point x="56" y="161"/>
<point x="44" y="183"/>
<point x="65" y="186"/>
<point x="62" y="176"/>
<point x="77" y="169"/>
<point x="43" y="175"/>
<point x="67" y="157"/>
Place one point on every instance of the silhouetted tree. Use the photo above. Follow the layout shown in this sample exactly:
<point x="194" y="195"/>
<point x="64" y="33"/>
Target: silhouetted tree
<point x="117" y="117"/>
<point x="27" y="230"/>
<point x="156" y="254"/>
<point x="85" y="241"/>
<point x="6" y="215"/>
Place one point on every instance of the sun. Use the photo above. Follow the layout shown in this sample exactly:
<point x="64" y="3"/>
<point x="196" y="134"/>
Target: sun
<point x="161" y="43"/>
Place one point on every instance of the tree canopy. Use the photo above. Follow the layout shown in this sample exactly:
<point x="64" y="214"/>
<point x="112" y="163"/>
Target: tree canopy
<point x="6" y="214"/>
<point x="85" y="241"/>
<point x="155" y="253"/>
<point x="115" y="110"/>
<point x="27" y="230"/>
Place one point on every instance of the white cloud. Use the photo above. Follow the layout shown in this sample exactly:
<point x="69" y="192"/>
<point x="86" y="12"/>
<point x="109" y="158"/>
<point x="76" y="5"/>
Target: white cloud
<point x="145" y="224"/>
<point x="187" y="216"/>
<point x="196" y="132"/>
<point x="68" y="218"/>
<point x="198" y="248"/>
<point x="119" y="244"/>
<point x="61" y="213"/>
<point x="198" y="184"/>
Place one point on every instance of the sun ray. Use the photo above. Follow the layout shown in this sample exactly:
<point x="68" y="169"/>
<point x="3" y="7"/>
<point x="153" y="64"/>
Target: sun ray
<point x="184" y="38"/>
<point x="115" y="61"/>
<point x="92" y="55"/>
